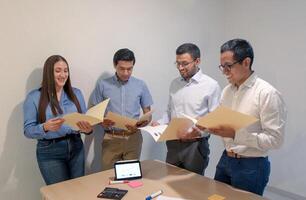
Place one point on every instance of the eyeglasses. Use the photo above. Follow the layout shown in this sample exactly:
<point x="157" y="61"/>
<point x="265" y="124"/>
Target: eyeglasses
<point x="228" y="67"/>
<point x="183" y="64"/>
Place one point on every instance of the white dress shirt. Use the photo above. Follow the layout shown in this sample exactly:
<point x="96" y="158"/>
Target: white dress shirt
<point x="197" y="97"/>
<point x="258" y="98"/>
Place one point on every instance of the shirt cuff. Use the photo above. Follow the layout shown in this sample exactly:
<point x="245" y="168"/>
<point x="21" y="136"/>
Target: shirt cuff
<point x="241" y="136"/>
<point x="41" y="129"/>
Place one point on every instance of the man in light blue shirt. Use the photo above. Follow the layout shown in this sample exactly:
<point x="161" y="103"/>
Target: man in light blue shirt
<point x="194" y="94"/>
<point x="128" y="95"/>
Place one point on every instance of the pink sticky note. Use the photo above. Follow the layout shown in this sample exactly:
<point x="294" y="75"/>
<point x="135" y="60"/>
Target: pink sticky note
<point x="135" y="184"/>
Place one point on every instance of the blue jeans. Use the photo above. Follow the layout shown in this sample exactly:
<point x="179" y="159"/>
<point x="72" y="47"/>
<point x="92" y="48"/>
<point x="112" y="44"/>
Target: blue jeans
<point x="250" y="174"/>
<point x="61" y="159"/>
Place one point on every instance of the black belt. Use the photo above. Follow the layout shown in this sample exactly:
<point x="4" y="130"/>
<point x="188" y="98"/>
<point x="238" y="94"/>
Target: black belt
<point x="190" y="140"/>
<point x="70" y="136"/>
<point x="194" y="139"/>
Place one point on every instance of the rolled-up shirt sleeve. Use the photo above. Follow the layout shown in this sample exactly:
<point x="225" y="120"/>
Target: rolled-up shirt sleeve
<point x="214" y="100"/>
<point x="97" y="95"/>
<point x="166" y="117"/>
<point x="146" y="98"/>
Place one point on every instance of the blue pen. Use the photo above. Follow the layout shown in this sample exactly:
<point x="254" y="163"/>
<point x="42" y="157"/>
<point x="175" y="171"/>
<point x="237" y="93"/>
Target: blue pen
<point x="159" y="192"/>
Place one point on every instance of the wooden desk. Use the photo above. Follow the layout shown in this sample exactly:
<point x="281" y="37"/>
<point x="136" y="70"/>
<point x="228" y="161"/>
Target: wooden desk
<point x="174" y="181"/>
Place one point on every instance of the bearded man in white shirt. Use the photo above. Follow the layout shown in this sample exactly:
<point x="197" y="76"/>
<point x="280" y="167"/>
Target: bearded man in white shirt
<point x="194" y="94"/>
<point x="244" y="163"/>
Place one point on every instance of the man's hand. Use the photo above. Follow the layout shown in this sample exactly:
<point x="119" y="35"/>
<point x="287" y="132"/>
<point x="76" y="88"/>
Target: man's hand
<point x="142" y="123"/>
<point x="85" y="127"/>
<point x="223" y="131"/>
<point x="53" y="124"/>
<point x="154" y="123"/>
<point x="191" y="133"/>
<point x="107" y="123"/>
<point x="131" y="128"/>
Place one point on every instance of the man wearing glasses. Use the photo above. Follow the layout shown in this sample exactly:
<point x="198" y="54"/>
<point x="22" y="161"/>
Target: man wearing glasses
<point x="244" y="163"/>
<point x="194" y="94"/>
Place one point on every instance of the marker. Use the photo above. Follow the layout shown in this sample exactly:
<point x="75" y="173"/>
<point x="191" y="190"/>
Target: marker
<point x="159" y="192"/>
<point x="117" y="182"/>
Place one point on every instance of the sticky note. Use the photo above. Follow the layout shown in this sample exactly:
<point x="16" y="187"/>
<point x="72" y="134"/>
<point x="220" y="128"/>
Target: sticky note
<point x="216" y="197"/>
<point x="135" y="184"/>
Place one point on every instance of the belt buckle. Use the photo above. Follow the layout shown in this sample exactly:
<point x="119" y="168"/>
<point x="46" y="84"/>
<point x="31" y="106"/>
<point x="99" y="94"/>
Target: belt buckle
<point x="233" y="154"/>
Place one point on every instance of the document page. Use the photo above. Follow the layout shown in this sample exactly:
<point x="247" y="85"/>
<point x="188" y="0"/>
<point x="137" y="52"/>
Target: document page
<point x="226" y="116"/>
<point x="162" y="197"/>
<point x="154" y="131"/>
<point x="168" y="132"/>
<point x="94" y="115"/>
<point x="220" y="116"/>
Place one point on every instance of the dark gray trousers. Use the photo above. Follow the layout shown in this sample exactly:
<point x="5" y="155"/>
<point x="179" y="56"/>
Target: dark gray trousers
<point x="193" y="156"/>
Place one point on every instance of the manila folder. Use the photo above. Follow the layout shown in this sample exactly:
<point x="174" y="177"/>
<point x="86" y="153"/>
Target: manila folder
<point x="94" y="115"/>
<point x="223" y="116"/>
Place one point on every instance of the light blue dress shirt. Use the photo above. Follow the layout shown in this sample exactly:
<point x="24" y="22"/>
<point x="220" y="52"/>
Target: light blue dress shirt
<point x="126" y="98"/>
<point x="34" y="129"/>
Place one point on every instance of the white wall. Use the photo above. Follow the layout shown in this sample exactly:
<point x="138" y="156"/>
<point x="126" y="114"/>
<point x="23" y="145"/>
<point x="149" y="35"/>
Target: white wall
<point x="88" y="33"/>
<point x="277" y="30"/>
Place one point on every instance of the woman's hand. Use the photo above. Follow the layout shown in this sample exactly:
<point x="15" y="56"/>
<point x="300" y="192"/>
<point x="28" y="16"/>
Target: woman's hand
<point x="85" y="127"/>
<point x="53" y="124"/>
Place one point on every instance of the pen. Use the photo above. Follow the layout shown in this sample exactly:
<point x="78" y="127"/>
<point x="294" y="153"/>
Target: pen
<point x="159" y="192"/>
<point x="117" y="182"/>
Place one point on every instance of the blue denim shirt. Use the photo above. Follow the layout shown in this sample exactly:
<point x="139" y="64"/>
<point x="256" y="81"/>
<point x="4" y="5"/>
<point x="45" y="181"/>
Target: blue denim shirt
<point x="34" y="129"/>
<point x="126" y="98"/>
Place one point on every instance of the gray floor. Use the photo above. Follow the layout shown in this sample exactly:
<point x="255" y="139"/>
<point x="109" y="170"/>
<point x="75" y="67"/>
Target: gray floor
<point x="276" y="194"/>
<point x="273" y="196"/>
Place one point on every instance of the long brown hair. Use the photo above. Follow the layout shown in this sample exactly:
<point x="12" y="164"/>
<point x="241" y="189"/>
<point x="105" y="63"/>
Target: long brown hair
<point x="48" y="90"/>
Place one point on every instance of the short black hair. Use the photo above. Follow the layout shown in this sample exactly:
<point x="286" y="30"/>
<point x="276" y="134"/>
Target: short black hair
<point x="125" y="55"/>
<point x="189" y="48"/>
<point x="241" y="49"/>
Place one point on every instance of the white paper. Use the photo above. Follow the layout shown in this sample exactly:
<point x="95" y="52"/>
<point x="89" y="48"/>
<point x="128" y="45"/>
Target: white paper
<point x="162" y="197"/>
<point x="154" y="131"/>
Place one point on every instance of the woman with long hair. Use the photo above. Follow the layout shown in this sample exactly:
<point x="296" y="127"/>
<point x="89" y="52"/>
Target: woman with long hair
<point x="59" y="150"/>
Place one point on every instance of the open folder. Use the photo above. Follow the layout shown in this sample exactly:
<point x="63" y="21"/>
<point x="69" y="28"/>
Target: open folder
<point x="168" y="132"/>
<point x="94" y="115"/>
<point x="122" y="121"/>
<point x="221" y="116"/>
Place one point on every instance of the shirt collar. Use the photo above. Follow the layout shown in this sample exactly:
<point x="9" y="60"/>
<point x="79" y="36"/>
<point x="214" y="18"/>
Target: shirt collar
<point x="249" y="82"/>
<point x="196" y="77"/>
<point x="116" y="79"/>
